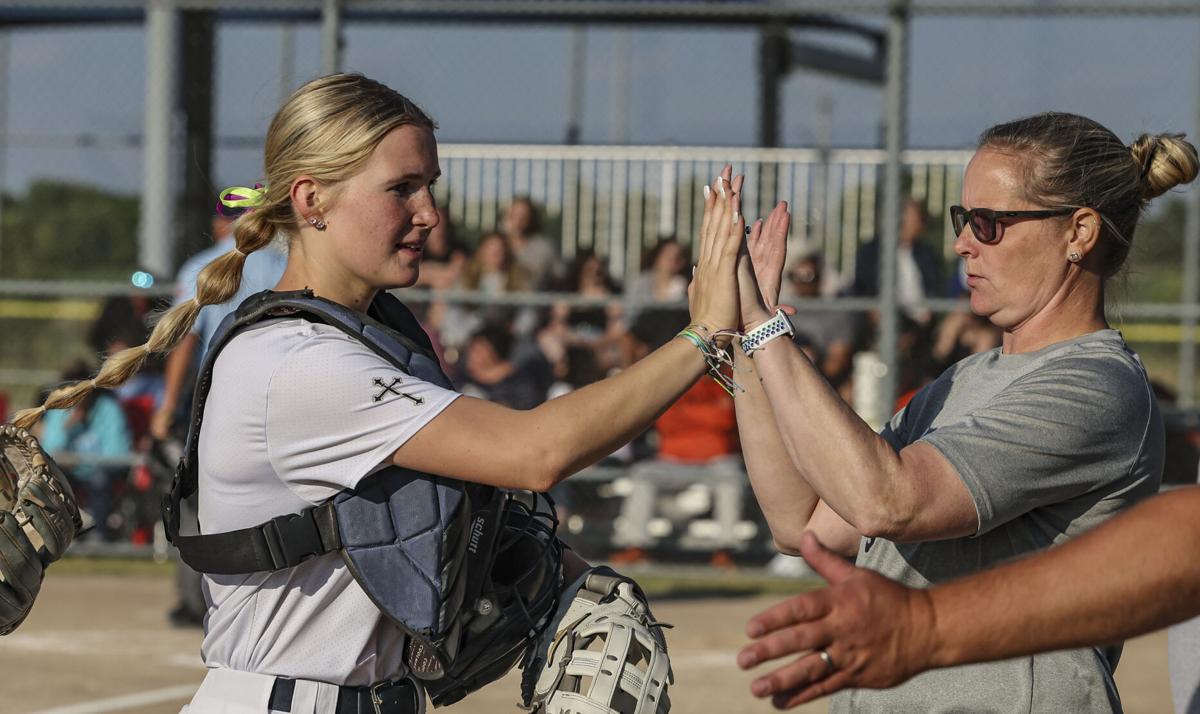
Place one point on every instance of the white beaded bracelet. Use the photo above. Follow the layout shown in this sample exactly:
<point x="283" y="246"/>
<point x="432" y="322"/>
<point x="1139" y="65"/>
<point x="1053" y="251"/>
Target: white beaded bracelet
<point x="777" y="326"/>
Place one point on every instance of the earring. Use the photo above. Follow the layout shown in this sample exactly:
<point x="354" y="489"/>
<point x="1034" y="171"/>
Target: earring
<point x="1074" y="256"/>
<point x="317" y="223"/>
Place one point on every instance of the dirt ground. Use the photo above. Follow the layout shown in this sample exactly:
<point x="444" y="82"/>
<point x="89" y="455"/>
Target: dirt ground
<point x="100" y="643"/>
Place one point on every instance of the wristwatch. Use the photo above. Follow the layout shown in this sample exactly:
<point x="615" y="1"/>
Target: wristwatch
<point x="777" y="326"/>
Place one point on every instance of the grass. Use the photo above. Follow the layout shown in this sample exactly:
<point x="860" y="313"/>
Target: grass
<point x="716" y="584"/>
<point x="659" y="583"/>
<point x="139" y="567"/>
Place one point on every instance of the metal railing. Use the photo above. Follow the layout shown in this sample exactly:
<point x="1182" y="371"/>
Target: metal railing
<point x="619" y="200"/>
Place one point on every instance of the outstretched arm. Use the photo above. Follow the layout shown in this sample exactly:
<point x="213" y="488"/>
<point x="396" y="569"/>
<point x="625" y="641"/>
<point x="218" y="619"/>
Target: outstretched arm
<point x="175" y="373"/>
<point x="878" y="633"/>
<point x="478" y="441"/>
<point x="789" y="503"/>
<point x="864" y="485"/>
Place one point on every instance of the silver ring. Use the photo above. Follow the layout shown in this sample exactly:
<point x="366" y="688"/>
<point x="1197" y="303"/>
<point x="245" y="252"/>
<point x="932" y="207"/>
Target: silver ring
<point x="824" y="655"/>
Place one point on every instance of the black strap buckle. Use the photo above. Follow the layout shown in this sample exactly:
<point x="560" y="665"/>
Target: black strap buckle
<point x="292" y="539"/>
<point x="396" y="697"/>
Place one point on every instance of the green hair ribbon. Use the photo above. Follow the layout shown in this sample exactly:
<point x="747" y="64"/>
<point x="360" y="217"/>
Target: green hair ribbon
<point x="236" y="200"/>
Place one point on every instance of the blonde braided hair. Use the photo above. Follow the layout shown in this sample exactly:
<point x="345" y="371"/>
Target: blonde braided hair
<point x="327" y="129"/>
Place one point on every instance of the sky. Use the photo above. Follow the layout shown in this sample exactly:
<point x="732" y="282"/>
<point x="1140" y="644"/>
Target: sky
<point x="687" y="86"/>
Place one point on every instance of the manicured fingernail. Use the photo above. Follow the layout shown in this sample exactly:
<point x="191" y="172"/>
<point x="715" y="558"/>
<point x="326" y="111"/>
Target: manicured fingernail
<point x="747" y="659"/>
<point x="721" y="185"/>
<point x="693" y="271"/>
<point x="736" y="216"/>
<point x="707" y="191"/>
<point x="755" y="630"/>
<point x="761" y="689"/>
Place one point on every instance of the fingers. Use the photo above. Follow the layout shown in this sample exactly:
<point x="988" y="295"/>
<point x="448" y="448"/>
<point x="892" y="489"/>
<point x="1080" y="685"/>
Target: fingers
<point x="737" y="183"/>
<point x="755" y="233"/>
<point x="755" y="243"/>
<point x="780" y="643"/>
<point x="779" y="221"/>
<point x="794" y="676"/>
<point x="792" y="698"/>
<point x="829" y="565"/>
<point x="793" y="611"/>
<point x="716" y="216"/>
<point x="734" y="238"/>
<point x="710" y="199"/>
<point x="722" y="217"/>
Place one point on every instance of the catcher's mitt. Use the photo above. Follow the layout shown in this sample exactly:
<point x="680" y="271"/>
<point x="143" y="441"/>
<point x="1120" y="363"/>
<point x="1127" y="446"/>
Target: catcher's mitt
<point x="603" y="654"/>
<point x="38" y="520"/>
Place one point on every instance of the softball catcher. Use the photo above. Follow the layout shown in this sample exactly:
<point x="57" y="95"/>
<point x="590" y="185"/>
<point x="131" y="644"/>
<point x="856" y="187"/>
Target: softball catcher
<point x="372" y="539"/>
<point x="474" y="576"/>
<point x="38" y="520"/>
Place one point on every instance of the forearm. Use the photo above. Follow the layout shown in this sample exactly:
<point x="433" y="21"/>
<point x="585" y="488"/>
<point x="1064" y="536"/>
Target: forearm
<point x="846" y="463"/>
<point x="1074" y="595"/>
<point x="590" y="423"/>
<point x="786" y="499"/>
<point x="176" y="369"/>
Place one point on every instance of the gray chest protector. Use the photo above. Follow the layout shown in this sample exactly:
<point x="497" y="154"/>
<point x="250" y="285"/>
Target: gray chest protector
<point x="469" y="572"/>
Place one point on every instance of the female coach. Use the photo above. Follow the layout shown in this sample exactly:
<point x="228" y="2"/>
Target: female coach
<point x="1007" y="452"/>
<point x="292" y="419"/>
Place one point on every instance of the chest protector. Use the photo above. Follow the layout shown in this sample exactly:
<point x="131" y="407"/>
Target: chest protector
<point x="469" y="572"/>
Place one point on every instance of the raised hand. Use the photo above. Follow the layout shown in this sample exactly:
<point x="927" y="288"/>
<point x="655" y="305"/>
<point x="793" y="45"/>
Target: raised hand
<point x="767" y="247"/>
<point x="713" y="296"/>
<point x="873" y="632"/>
<point x="760" y="267"/>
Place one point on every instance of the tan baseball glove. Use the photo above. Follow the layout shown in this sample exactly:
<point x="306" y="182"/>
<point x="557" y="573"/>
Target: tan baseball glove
<point x="38" y="520"/>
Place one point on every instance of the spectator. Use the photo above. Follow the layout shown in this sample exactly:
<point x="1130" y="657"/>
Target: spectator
<point x="960" y="334"/>
<point x="536" y="255"/>
<point x="663" y="277"/>
<point x="588" y="278"/>
<point x="493" y="370"/>
<point x="95" y="428"/>
<point x="444" y="256"/>
<point x="261" y="271"/>
<point x="918" y="269"/>
<point x="492" y="270"/>
<point x="599" y="326"/>
<point x="831" y="333"/>
<point x="697" y="446"/>
<point x="577" y="368"/>
<point x="124" y="321"/>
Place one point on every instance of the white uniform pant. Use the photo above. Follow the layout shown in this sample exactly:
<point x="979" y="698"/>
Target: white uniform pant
<point x="228" y="691"/>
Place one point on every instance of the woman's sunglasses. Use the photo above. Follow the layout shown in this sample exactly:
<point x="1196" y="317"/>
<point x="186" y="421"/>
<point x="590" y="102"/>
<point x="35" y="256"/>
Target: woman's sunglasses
<point x="987" y="224"/>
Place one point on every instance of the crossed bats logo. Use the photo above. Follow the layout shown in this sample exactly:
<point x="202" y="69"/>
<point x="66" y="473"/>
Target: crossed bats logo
<point x="386" y="389"/>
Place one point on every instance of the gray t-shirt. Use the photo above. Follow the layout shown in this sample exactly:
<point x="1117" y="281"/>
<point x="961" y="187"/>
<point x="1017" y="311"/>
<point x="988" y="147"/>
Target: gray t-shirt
<point x="1049" y="444"/>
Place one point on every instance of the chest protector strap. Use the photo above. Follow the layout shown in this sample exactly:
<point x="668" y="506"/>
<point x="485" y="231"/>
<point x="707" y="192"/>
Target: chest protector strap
<point x="405" y="535"/>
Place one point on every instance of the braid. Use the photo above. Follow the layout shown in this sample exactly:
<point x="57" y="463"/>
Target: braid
<point x="218" y="282"/>
<point x="327" y="129"/>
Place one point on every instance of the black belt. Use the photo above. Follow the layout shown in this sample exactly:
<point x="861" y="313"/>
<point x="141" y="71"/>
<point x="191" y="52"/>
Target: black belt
<point x="401" y="697"/>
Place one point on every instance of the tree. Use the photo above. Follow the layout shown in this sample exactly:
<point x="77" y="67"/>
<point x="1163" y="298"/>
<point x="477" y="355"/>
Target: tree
<point x="60" y="230"/>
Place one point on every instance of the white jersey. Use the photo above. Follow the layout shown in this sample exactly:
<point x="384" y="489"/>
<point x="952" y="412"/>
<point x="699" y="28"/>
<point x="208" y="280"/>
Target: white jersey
<point x="298" y="412"/>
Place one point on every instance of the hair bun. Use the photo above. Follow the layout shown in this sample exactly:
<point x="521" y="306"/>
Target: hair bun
<point x="1165" y="161"/>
